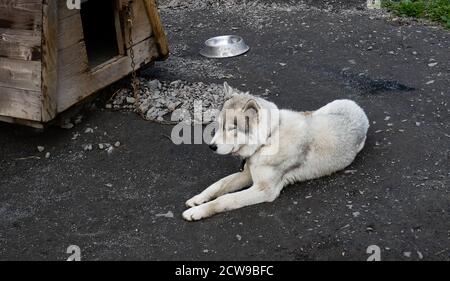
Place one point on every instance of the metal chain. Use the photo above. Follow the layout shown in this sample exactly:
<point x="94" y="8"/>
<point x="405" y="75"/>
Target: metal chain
<point x="135" y="83"/>
<point x="134" y="80"/>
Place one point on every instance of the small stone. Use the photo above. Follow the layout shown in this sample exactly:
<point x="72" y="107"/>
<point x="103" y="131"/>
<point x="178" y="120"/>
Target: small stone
<point x="67" y="125"/>
<point x="432" y="64"/>
<point x="238" y="237"/>
<point x="131" y="100"/>
<point x="169" y="214"/>
<point x="175" y="83"/>
<point x="78" y="119"/>
<point x="109" y="185"/>
<point x="154" y="84"/>
<point x="117" y="144"/>
<point x="407" y="254"/>
<point x="171" y="106"/>
<point x="418" y="124"/>
<point x="101" y="146"/>
<point x="108" y="106"/>
<point x="87" y="147"/>
<point x="282" y="64"/>
<point x="40" y="148"/>
<point x="47" y="155"/>
<point x="420" y="255"/>
<point x="430" y="82"/>
<point x="387" y="118"/>
<point x="88" y="131"/>
<point x="110" y="149"/>
<point x="356" y="214"/>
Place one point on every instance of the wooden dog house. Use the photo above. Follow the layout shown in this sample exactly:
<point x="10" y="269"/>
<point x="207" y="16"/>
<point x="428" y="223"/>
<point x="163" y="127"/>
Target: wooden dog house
<point x="52" y="57"/>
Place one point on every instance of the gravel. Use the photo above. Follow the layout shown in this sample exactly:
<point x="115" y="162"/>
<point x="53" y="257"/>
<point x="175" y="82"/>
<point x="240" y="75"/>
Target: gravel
<point x="157" y="100"/>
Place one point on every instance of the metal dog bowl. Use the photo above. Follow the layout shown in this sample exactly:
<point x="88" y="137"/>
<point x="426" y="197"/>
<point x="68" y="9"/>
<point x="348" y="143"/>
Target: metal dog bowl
<point x="224" y="47"/>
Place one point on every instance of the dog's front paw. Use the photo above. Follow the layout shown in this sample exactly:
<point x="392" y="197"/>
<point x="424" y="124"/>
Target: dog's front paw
<point x="196" y="200"/>
<point x="196" y="213"/>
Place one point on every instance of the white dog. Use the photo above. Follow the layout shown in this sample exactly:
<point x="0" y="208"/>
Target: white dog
<point x="280" y="147"/>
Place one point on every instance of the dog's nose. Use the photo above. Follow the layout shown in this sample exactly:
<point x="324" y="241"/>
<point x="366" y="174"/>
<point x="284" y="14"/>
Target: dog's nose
<point x="213" y="147"/>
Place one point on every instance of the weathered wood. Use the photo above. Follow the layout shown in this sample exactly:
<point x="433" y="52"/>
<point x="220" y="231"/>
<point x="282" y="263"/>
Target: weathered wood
<point x="119" y="30"/>
<point x="157" y="28"/>
<point x="142" y="29"/>
<point x="21" y="14"/>
<point x="75" y="87"/>
<point x="72" y="61"/>
<point x="20" y="44"/>
<point x="49" y="59"/>
<point x="12" y="120"/>
<point x="64" y="12"/>
<point x="70" y="31"/>
<point x="20" y="74"/>
<point x="21" y="104"/>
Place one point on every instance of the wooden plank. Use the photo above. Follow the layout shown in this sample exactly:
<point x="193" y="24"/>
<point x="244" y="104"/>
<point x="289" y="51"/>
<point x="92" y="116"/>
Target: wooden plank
<point x="64" y="12"/>
<point x="142" y="30"/>
<point x="21" y="14"/>
<point x="20" y="44"/>
<point x="21" y="104"/>
<point x="73" y="60"/>
<point x="70" y="31"/>
<point x="34" y="124"/>
<point x="73" y="88"/>
<point x="20" y="74"/>
<point x="119" y="29"/>
<point x="49" y="59"/>
<point x="158" y="30"/>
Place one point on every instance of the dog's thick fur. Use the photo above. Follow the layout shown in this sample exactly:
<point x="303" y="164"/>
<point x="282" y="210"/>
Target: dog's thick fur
<point x="309" y="145"/>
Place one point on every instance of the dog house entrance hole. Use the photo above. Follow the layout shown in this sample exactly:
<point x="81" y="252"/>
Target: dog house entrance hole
<point x="99" y="28"/>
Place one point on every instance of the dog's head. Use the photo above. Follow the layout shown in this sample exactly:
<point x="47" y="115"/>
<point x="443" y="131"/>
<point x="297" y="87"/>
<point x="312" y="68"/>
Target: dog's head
<point x="244" y="124"/>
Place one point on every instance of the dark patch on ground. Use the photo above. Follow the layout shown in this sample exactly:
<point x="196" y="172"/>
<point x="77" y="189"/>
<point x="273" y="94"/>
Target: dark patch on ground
<point x="371" y="86"/>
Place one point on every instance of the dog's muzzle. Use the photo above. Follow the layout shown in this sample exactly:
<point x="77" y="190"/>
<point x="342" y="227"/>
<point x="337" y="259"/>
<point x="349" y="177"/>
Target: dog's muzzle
<point x="213" y="147"/>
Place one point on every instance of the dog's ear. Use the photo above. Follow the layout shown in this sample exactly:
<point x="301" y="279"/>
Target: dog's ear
<point x="251" y="104"/>
<point x="228" y="90"/>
